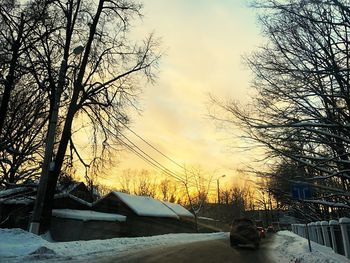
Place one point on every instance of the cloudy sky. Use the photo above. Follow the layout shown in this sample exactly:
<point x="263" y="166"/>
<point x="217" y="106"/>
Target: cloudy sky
<point x="204" y="41"/>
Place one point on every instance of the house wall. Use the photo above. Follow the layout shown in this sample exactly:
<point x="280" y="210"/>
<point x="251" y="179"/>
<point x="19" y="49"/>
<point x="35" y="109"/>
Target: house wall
<point x="143" y="225"/>
<point x="223" y="212"/>
<point x="64" y="229"/>
<point x="209" y="226"/>
<point x="150" y="226"/>
<point x="15" y="215"/>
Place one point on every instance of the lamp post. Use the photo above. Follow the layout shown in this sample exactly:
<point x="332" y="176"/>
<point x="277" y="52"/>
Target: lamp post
<point x="217" y="183"/>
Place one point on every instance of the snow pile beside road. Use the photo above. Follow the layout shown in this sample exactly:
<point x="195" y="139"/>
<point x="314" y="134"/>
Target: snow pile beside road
<point x="21" y="244"/>
<point x="290" y="247"/>
<point x="17" y="242"/>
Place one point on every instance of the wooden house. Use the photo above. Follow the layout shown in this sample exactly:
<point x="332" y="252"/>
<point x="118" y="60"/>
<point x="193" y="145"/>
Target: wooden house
<point x="145" y="216"/>
<point x="77" y="189"/>
<point x="15" y="206"/>
<point x="72" y="224"/>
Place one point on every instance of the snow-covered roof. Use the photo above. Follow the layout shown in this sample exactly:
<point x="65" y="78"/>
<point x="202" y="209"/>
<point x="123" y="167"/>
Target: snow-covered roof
<point x="87" y="215"/>
<point x="63" y="195"/>
<point x="333" y="204"/>
<point x="67" y="188"/>
<point x="178" y="209"/>
<point x="19" y="195"/>
<point x="17" y="200"/>
<point x="13" y="191"/>
<point x="146" y="206"/>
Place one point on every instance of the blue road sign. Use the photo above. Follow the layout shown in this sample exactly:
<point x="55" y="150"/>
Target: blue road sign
<point x="301" y="191"/>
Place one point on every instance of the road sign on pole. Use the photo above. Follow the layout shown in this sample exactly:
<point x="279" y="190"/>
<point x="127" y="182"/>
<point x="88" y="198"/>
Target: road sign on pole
<point x="301" y="191"/>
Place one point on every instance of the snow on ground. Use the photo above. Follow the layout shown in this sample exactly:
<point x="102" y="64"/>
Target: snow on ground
<point x="17" y="245"/>
<point x="289" y="247"/>
<point x="17" y="242"/>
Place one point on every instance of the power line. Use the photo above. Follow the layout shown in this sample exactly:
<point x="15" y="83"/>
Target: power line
<point x="152" y="163"/>
<point x="153" y="147"/>
<point x="140" y="155"/>
<point x="148" y="158"/>
<point x="164" y="169"/>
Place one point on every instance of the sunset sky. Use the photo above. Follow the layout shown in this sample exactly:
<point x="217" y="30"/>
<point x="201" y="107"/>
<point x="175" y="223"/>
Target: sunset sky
<point x="204" y="41"/>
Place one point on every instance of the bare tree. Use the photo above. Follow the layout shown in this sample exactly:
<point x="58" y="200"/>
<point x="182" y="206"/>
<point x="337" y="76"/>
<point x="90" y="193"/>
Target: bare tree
<point x="144" y="184"/>
<point x="168" y="189"/>
<point x="24" y="135"/>
<point x="24" y="98"/>
<point x="124" y="181"/>
<point x="301" y="111"/>
<point x="241" y="197"/>
<point x="196" y="186"/>
<point x="99" y="74"/>
<point x="17" y="23"/>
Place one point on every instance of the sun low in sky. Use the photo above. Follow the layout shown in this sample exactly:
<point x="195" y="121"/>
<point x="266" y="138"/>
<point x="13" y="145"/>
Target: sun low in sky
<point x="203" y="43"/>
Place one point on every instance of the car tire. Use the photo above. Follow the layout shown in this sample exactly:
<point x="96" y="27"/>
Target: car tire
<point x="233" y="243"/>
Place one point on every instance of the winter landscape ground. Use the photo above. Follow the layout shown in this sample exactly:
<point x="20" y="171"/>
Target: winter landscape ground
<point x="17" y="245"/>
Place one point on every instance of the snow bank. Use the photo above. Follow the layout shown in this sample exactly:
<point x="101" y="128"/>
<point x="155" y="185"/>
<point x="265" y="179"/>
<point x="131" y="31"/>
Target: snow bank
<point x="87" y="215"/>
<point x="290" y="247"/>
<point x="19" y="243"/>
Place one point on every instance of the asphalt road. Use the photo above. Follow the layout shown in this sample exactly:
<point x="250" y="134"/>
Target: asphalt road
<point x="215" y="251"/>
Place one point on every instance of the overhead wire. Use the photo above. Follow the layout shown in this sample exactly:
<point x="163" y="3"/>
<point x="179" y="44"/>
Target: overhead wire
<point x="153" y="147"/>
<point x="142" y="154"/>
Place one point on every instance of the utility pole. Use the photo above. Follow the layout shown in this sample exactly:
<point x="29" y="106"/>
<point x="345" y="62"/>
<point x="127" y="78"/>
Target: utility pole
<point x="218" y="186"/>
<point x="48" y="164"/>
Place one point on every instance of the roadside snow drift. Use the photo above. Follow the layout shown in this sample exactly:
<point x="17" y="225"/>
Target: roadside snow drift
<point x="17" y="242"/>
<point x="17" y="245"/>
<point x="290" y="247"/>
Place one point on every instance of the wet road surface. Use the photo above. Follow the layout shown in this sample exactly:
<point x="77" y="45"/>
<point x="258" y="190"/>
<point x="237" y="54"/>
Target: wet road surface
<point x="214" y="251"/>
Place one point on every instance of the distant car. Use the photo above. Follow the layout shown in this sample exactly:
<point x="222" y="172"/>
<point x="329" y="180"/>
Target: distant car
<point x="244" y="232"/>
<point x="270" y="229"/>
<point x="262" y="233"/>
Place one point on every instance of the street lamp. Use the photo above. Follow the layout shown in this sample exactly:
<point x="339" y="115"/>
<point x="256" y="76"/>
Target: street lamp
<point x="217" y="183"/>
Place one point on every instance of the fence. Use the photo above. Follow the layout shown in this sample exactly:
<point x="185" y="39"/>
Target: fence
<point x="334" y="234"/>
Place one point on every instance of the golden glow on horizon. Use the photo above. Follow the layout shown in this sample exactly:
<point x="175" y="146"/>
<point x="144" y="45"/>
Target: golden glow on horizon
<point x="204" y="43"/>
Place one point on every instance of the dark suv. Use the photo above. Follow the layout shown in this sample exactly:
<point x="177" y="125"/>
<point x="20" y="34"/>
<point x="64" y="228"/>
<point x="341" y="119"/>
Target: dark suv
<point x="244" y="232"/>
